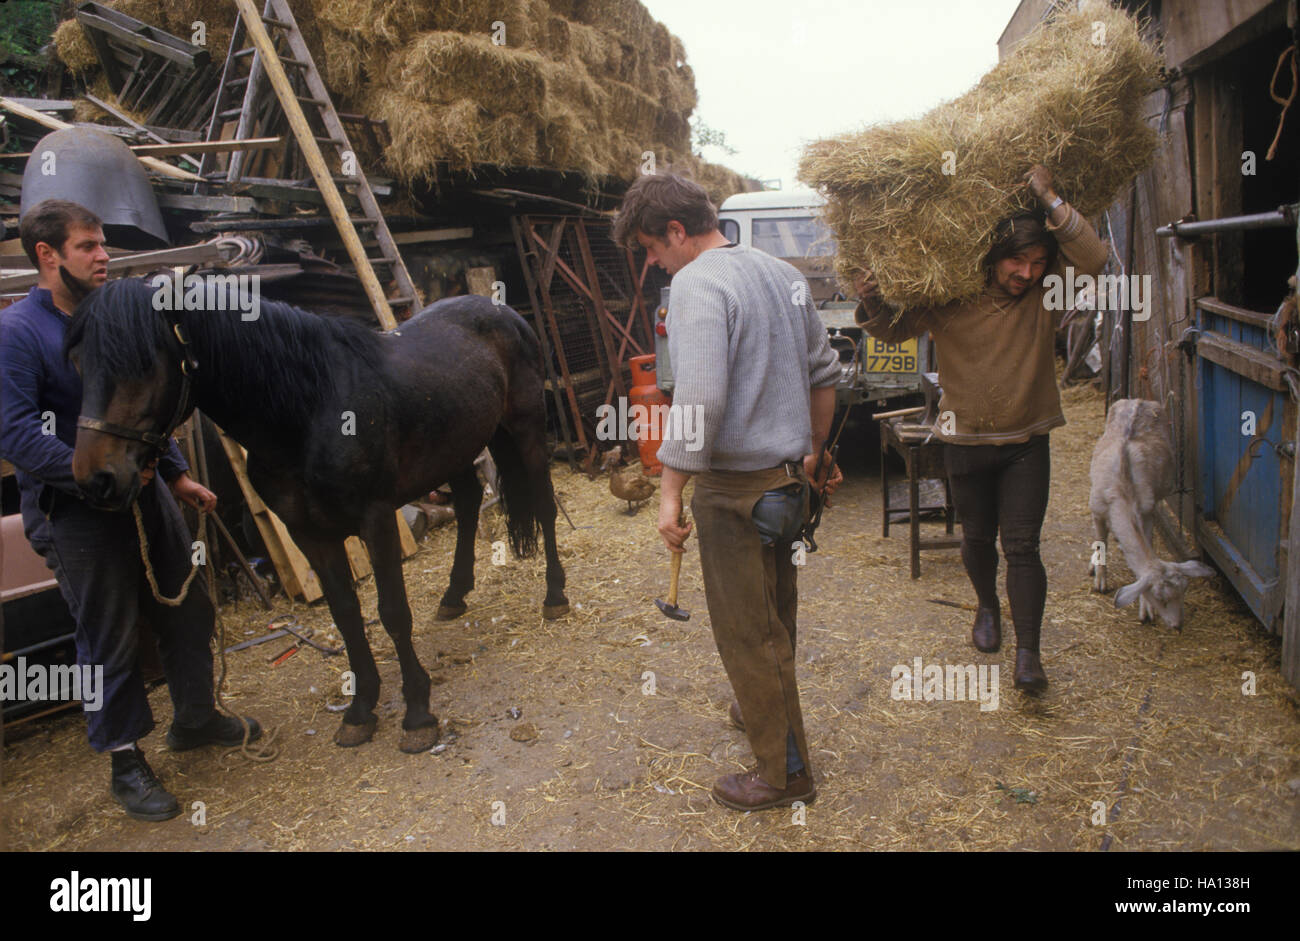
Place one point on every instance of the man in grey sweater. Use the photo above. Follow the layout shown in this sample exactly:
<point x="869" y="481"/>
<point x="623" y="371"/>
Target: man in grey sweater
<point x="752" y="362"/>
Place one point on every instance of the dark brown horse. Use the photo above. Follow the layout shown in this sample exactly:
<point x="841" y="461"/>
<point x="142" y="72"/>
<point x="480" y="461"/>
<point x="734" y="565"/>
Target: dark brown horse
<point x="342" y="425"/>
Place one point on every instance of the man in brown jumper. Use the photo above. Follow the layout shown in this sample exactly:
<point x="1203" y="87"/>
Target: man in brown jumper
<point x="997" y="369"/>
<point x="752" y="360"/>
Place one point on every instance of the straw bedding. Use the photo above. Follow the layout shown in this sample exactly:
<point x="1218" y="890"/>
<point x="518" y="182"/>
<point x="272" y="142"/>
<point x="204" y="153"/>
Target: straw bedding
<point x="1062" y="99"/>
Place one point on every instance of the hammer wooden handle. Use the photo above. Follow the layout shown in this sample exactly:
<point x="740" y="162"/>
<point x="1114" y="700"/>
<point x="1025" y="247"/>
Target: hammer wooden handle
<point x="899" y="413"/>
<point x="673" y="573"/>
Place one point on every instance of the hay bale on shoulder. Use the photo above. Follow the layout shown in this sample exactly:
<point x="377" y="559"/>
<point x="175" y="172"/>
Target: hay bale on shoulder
<point x="916" y="201"/>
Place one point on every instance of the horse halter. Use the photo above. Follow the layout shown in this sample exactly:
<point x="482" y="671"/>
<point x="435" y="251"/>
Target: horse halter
<point x="184" y="405"/>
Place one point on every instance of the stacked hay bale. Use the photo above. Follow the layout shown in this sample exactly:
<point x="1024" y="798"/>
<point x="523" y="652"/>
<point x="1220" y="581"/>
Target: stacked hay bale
<point x="916" y="202"/>
<point x="583" y="86"/>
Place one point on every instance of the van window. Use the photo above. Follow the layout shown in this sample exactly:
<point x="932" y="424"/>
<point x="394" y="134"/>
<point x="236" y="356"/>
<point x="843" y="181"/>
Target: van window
<point x="730" y="230"/>
<point x="792" y="237"/>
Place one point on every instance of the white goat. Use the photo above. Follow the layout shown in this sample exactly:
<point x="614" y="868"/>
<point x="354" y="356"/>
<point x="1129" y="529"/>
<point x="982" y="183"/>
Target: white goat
<point x="1132" y="471"/>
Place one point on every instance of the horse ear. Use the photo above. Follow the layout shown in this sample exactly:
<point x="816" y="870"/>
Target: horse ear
<point x="1195" y="569"/>
<point x="1130" y="593"/>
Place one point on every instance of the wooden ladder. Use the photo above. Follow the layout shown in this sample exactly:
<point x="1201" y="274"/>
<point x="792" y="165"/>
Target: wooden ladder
<point x="266" y="63"/>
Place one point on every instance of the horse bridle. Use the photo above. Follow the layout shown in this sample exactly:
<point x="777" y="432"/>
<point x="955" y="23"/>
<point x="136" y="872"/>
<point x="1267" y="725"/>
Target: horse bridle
<point x="184" y="405"/>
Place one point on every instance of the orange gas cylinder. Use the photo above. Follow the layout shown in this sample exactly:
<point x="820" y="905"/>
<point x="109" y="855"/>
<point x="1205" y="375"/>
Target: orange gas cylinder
<point x="645" y="393"/>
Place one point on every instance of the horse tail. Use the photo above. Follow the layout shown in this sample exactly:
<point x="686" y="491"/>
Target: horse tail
<point x="516" y="490"/>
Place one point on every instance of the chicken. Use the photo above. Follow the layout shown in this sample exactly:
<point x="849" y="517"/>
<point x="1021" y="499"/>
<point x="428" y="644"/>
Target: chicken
<point x="608" y="461"/>
<point x="631" y="487"/>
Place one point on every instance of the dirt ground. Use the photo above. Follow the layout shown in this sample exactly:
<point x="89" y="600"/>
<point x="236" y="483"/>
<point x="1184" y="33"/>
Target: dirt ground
<point x="553" y="741"/>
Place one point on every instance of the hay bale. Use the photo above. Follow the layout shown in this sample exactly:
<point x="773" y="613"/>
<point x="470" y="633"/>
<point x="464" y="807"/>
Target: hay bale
<point x="599" y="53"/>
<point x="73" y="48"/>
<point x="567" y="142"/>
<point x="445" y="67"/>
<point x="1058" y="99"/>
<point x="633" y="111"/>
<point x="555" y="36"/>
<point x="582" y="86"/>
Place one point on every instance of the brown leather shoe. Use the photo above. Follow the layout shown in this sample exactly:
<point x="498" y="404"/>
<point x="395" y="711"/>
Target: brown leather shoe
<point x="986" y="635"/>
<point x="736" y="718"/>
<point x="1029" y="671"/>
<point x="750" y="792"/>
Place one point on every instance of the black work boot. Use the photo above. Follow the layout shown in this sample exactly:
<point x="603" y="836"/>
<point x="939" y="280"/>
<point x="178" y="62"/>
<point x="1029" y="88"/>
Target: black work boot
<point x="138" y="789"/>
<point x="986" y="633"/>
<point x="218" y="730"/>
<point x="1029" y="671"/>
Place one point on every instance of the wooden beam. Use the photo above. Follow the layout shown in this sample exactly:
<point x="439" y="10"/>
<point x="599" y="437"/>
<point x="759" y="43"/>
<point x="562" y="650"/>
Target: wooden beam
<point x="46" y="104"/>
<point x="55" y="124"/>
<point x="206" y="203"/>
<point x="141" y="35"/>
<point x="184" y="150"/>
<point x="1243" y="360"/>
<point x="295" y="571"/>
<point x="124" y="265"/>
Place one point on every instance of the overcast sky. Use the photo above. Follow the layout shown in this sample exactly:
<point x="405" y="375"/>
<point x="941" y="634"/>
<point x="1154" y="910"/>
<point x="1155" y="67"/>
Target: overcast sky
<point x="774" y="75"/>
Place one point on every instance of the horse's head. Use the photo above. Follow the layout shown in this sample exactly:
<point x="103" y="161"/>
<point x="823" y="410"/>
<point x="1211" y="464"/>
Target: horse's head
<point x="135" y="387"/>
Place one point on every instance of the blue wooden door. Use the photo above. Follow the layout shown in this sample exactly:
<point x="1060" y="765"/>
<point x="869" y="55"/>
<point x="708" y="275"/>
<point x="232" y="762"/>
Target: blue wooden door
<point x="1246" y="417"/>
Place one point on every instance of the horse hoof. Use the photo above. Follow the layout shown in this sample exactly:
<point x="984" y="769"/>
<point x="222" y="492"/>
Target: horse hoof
<point x="418" y="740"/>
<point x="449" y="612"/>
<point x="553" y="611"/>
<point x="350" y="736"/>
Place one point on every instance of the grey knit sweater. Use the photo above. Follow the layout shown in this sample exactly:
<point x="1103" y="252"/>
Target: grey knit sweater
<point x="746" y="345"/>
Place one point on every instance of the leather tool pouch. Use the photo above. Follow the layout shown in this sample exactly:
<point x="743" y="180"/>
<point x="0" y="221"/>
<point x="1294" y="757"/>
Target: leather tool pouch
<point x="779" y="514"/>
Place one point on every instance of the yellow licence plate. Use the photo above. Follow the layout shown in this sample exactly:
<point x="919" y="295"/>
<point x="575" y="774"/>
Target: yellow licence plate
<point x="890" y="357"/>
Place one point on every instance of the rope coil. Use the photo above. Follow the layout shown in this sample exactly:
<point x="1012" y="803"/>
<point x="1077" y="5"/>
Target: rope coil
<point x="267" y="750"/>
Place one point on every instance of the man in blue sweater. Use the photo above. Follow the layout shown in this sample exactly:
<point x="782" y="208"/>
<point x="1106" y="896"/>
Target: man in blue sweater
<point x="95" y="555"/>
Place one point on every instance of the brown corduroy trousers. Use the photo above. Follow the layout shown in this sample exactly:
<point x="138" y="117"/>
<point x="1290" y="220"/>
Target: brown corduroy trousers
<point x="752" y="595"/>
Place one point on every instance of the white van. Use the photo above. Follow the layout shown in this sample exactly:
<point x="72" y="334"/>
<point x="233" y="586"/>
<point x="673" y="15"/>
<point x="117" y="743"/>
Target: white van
<point x="786" y="225"/>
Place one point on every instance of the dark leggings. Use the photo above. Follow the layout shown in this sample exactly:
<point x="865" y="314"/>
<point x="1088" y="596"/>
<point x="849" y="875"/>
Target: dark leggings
<point x="1004" y="487"/>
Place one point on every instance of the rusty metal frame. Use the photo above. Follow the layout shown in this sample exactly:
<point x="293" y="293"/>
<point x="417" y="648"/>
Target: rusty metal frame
<point x="614" y="337"/>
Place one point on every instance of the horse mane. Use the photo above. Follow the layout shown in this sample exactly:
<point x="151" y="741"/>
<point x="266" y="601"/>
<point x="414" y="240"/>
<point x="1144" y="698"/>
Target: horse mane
<point x="283" y="363"/>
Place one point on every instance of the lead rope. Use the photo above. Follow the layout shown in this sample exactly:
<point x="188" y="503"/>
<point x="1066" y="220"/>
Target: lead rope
<point x="267" y="750"/>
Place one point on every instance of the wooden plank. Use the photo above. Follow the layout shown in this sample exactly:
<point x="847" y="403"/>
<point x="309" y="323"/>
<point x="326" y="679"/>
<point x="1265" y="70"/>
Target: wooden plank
<point x="174" y="134"/>
<point x="184" y="150"/>
<point x="131" y="122"/>
<point x="1291" y="575"/>
<point x="1243" y="360"/>
<point x="1195" y="31"/>
<point x="140" y="35"/>
<point x="358" y="558"/>
<point x="1229" y="258"/>
<point x="279" y="190"/>
<point x="46" y="104"/>
<point x="1231" y="311"/>
<point x="207" y="203"/>
<point x="153" y="163"/>
<point x="295" y="571"/>
<point x="124" y="265"/>
<point x="405" y="537"/>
